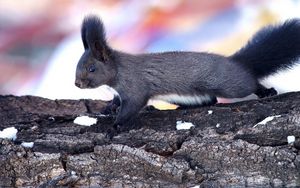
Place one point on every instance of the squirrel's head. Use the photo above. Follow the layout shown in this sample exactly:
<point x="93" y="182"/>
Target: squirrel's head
<point x="96" y="66"/>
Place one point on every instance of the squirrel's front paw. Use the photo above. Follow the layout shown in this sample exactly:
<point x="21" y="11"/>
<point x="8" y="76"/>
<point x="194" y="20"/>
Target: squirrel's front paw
<point x="110" y="109"/>
<point x="111" y="133"/>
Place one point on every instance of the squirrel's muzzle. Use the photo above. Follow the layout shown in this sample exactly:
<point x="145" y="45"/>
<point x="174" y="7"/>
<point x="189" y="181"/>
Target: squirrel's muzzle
<point x="78" y="84"/>
<point x="83" y="84"/>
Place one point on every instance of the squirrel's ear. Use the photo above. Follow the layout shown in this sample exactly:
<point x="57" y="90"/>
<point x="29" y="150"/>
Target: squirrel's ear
<point x="93" y="38"/>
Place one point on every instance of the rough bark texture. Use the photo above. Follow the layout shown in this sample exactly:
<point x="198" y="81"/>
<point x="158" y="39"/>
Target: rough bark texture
<point x="223" y="149"/>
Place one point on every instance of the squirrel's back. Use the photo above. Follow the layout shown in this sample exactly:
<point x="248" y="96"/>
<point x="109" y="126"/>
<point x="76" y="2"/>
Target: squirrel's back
<point x="187" y="73"/>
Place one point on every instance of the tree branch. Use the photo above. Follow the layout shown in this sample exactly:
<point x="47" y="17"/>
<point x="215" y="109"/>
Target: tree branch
<point x="228" y="147"/>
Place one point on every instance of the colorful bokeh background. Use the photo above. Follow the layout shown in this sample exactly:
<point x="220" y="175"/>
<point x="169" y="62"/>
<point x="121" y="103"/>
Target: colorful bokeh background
<point x="40" y="41"/>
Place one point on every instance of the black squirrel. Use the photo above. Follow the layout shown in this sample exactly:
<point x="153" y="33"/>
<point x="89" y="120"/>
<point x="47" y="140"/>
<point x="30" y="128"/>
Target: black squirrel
<point x="184" y="78"/>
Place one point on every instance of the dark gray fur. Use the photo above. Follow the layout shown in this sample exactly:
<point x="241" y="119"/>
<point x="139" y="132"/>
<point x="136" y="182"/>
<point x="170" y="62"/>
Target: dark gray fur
<point x="137" y="78"/>
<point x="178" y="72"/>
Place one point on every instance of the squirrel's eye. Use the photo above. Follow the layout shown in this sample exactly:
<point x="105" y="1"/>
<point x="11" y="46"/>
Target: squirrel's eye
<point x="92" y="68"/>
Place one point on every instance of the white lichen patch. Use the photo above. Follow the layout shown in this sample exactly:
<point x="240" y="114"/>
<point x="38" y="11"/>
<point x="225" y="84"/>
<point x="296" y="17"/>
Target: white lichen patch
<point x="209" y="111"/>
<point x="266" y="120"/>
<point x="9" y="133"/>
<point x="291" y="139"/>
<point x="85" y="120"/>
<point x="73" y="173"/>
<point x="27" y="144"/>
<point x="180" y="125"/>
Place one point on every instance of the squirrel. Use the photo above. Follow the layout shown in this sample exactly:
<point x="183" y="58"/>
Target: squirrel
<point x="184" y="78"/>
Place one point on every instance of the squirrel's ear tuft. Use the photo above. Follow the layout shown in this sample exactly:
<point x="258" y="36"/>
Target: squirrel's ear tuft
<point x="93" y="37"/>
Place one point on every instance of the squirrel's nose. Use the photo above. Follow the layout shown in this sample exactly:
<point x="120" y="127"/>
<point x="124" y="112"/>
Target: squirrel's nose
<point x="78" y="84"/>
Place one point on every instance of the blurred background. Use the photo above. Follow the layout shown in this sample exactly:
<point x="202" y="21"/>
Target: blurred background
<point x="40" y="42"/>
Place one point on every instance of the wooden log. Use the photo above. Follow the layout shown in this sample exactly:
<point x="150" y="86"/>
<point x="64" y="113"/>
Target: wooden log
<point x="227" y="147"/>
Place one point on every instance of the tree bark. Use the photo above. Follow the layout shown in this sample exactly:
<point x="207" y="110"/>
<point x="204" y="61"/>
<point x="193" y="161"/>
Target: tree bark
<point x="227" y="148"/>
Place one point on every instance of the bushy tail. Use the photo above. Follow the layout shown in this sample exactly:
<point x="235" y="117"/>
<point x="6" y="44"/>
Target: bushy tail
<point x="271" y="49"/>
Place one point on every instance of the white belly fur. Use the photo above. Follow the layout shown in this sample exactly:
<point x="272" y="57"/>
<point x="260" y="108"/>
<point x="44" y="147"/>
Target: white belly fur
<point x="184" y="99"/>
